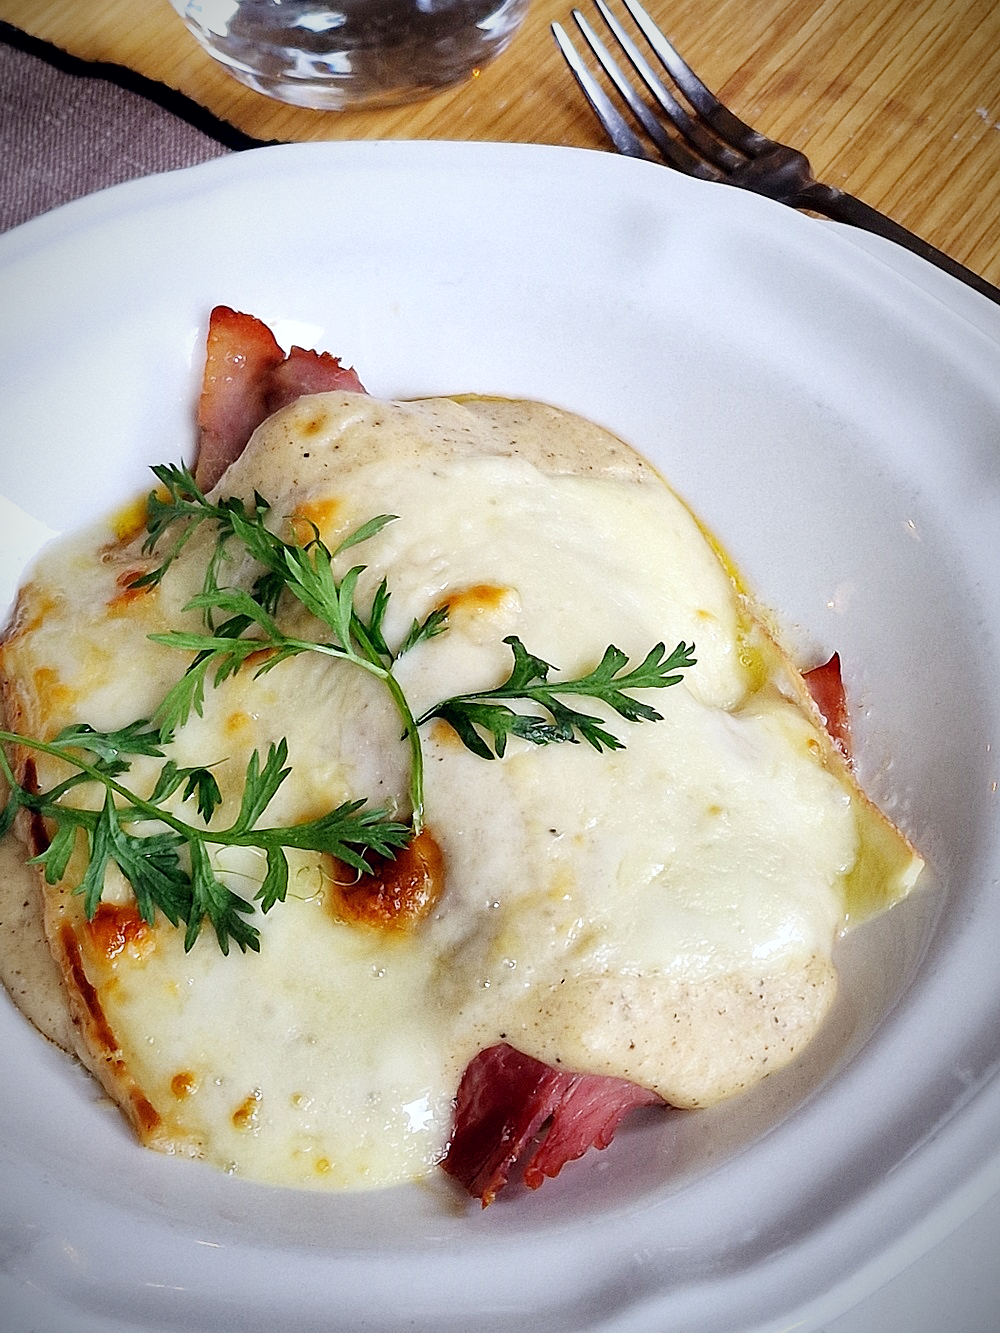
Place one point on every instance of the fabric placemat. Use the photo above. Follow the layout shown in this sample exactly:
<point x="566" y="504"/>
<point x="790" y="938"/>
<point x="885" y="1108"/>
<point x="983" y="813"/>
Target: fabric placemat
<point x="69" y="127"/>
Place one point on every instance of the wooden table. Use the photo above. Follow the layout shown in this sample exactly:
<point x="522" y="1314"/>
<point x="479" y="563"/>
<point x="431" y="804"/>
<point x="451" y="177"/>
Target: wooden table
<point x="897" y="101"/>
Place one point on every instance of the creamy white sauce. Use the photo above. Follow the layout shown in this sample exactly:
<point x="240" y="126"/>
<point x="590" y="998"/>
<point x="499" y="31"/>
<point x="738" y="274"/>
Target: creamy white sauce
<point x="711" y="852"/>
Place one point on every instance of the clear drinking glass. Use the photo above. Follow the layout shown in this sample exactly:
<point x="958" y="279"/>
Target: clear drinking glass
<point x="352" y="53"/>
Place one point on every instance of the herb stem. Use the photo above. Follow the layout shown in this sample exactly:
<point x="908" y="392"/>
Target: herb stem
<point x="416" y="753"/>
<point x="410" y="732"/>
<point x="135" y="803"/>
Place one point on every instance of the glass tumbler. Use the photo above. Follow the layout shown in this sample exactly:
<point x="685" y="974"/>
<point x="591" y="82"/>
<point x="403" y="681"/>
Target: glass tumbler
<point x="352" y="53"/>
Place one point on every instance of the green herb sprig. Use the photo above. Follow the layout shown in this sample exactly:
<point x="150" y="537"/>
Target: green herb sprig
<point x="241" y="623"/>
<point x="168" y="865"/>
<point x="166" y="859"/>
<point x="471" y="715"/>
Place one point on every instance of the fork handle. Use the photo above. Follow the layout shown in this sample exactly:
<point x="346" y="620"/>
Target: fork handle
<point x="839" y="206"/>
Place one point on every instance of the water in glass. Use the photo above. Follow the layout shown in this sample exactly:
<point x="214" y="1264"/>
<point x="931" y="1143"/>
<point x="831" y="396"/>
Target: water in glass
<point x="352" y="53"/>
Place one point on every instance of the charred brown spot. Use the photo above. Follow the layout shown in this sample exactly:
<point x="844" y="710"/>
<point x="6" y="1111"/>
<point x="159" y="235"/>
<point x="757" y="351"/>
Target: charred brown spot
<point x="51" y="691"/>
<point x="312" y="425"/>
<point x="443" y="733"/>
<point x="115" y="928"/>
<point x="253" y="661"/>
<point x="184" y="1084"/>
<point x="89" y="1014"/>
<point x="32" y="607"/>
<point x="145" y="1116"/>
<point x="100" y="1030"/>
<point x="37" y="834"/>
<point x="129" y="590"/>
<point x="399" y="892"/>
<point x="314" y="516"/>
<point x="245" y="1115"/>
<point x="477" y="599"/>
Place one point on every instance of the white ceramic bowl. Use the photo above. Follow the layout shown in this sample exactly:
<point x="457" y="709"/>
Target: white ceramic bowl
<point x="831" y="407"/>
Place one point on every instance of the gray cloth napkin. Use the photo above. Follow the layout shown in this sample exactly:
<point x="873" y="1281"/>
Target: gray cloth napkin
<point x="68" y="128"/>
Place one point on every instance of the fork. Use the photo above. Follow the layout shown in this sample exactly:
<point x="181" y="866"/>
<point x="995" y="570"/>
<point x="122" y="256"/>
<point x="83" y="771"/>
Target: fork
<point x="710" y="142"/>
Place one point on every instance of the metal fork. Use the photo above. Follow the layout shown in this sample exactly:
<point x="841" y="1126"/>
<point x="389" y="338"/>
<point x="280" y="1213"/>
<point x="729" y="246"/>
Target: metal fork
<point x="710" y="142"/>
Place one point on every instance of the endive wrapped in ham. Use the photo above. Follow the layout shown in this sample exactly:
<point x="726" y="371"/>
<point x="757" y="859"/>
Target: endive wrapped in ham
<point x="600" y="897"/>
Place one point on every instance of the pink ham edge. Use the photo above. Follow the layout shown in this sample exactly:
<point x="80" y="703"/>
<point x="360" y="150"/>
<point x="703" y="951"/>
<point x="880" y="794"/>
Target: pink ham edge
<point x="240" y="354"/>
<point x="506" y="1098"/>
<point x="825" y="684"/>
<point x="304" y="372"/>
<point x="247" y="378"/>
<point x="587" y="1116"/>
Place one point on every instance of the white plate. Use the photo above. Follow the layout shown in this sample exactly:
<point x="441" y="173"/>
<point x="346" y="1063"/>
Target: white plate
<point x="832" y="409"/>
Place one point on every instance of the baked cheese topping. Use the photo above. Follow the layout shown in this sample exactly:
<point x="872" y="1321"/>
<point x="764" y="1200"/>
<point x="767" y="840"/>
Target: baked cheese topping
<point x="664" y="913"/>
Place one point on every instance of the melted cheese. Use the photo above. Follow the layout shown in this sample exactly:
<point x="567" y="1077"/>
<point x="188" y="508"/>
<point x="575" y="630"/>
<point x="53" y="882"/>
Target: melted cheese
<point x="665" y="912"/>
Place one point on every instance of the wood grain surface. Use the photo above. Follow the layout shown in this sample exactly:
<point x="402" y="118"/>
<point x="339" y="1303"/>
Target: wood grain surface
<point x="897" y="101"/>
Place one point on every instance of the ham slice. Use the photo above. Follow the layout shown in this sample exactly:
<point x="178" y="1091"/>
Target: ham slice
<point x="247" y="378"/>
<point x="826" y="685"/>
<point x="505" y="1100"/>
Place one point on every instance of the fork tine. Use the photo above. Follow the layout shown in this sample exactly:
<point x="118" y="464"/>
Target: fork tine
<point x="729" y="127"/>
<point x="673" y="152"/>
<point x="617" y="128"/>
<point x="710" y="148"/>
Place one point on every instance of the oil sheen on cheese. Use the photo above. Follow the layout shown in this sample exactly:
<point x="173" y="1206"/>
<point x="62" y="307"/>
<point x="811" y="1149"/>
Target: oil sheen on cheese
<point x="665" y="912"/>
